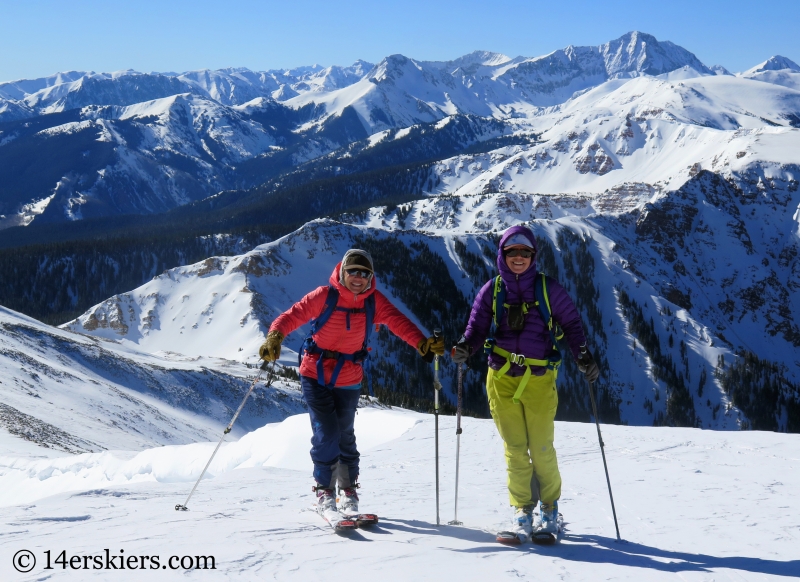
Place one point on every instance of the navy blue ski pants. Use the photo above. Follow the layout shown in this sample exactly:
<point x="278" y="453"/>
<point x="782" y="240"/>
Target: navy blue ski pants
<point x="333" y="444"/>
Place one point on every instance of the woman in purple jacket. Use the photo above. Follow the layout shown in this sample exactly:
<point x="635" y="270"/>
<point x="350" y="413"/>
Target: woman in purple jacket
<point x="521" y="383"/>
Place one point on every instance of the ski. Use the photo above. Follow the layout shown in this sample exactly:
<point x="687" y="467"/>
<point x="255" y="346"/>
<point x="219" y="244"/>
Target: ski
<point x="362" y="519"/>
<point x="547" y="538"/>
<point x="338" y="522"/>
<point x="366" y="519"/>
<point x="510" y="538"/>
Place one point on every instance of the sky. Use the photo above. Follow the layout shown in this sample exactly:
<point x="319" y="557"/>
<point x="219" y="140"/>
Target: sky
<point x="42" y="37"/>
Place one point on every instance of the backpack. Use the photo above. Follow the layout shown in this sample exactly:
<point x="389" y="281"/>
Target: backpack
<point x="310" y="346"/>
<point x="542" y="304"/>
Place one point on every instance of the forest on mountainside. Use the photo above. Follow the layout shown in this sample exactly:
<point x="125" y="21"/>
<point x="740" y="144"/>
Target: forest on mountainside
<point x="61" y="278"/>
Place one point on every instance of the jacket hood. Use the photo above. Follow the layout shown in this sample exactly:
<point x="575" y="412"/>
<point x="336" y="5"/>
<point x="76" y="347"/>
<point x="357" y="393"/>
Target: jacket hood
<point x="356" y="258"/>
<point x="505" y="272"/>
<point x="336" y="280"/>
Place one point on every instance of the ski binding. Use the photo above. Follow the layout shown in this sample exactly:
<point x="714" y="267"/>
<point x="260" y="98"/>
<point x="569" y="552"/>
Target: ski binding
<point x="547" y="538"/>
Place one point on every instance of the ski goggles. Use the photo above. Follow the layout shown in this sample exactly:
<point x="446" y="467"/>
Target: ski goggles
<point x="359" y="273"/>
<point x="524" y="253"/>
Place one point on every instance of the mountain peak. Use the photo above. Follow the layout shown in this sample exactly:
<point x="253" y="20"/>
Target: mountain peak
<point x="485" y="58"/>
<point x="774" y="63"/>
<point x="640" y="52"/>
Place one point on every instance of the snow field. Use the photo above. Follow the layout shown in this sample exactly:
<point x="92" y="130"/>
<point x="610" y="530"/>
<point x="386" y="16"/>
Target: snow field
<point x="692" y="504"/>
<point x="284" y="445"/>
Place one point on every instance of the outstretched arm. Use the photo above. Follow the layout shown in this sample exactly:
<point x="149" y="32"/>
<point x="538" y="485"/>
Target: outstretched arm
<point x="398" y="324"/>
<point x="309" y="307"/>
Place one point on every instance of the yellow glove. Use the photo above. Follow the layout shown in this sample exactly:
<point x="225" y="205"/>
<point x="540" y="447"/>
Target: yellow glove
<point x="432" y="344"/>
<point x="271" y="350"/>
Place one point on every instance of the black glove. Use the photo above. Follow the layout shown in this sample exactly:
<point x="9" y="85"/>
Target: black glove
<point x="587" y="365"/>
<point x="460" y="352"/>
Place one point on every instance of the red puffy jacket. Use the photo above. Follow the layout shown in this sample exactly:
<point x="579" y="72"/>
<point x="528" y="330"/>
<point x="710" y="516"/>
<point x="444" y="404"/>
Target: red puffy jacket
<point x="335" y="336"/>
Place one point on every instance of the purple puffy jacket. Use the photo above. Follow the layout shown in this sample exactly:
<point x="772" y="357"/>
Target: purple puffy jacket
<point x="534" y="338"/>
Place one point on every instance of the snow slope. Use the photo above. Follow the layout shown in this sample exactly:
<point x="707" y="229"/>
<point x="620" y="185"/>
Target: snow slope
<point x="648" y="131"/>
<point x="65" y="392"/>
<point x="692" y="505"/>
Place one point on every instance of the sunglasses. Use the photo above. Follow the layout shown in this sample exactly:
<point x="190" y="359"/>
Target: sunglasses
<point x="524" y="253"/>
<point x="359" y="273"/>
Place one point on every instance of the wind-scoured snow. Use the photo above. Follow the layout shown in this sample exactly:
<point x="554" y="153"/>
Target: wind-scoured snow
<point x="691" y="505"/>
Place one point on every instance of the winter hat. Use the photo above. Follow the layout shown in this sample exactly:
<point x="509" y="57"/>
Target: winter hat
<point x="518" y="239"/>
<point x="355" y="258"/>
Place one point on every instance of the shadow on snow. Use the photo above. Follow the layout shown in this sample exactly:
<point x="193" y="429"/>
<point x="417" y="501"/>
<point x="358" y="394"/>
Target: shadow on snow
<point x="603" y="550"/>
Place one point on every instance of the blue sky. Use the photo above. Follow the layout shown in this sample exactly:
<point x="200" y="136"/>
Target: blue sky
<point x="41" y="37"/>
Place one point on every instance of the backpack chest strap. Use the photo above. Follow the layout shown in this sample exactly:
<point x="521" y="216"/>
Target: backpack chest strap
<point x="348" y="311"/>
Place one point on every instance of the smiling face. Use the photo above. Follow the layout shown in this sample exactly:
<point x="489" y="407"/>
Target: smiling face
<point x="518" y="264"/>
<point x="357" y="282"/>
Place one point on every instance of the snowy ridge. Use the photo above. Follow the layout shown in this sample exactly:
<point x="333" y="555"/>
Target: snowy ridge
<point x="776" y="63"/>
<point x="72" y="393"/>
<point x="232" y="297"/>
<point x="647" y="130"/>
<point x="237" y="297"/>
<point x="400" y="91"/>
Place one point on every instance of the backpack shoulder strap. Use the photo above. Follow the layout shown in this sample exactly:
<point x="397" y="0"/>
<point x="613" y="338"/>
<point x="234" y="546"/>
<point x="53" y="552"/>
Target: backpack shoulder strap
<point x="369" y="307"/>
<point x="543" y="304"/>
<point x="330" y="306"/>
<point x="498" y="301"/>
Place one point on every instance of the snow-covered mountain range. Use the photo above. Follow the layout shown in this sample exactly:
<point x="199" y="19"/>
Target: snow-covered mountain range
<point x="660" y="250"/>
<point x="679" y="182"/>
<point x="105" y="144"/>
<point x="664" y="196"/>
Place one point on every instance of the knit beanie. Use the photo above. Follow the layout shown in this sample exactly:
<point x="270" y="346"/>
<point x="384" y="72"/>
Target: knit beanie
<point x="356" y="258"/>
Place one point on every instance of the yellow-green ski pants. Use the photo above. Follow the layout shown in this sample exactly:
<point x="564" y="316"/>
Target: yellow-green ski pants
<point x="527" y="430"/>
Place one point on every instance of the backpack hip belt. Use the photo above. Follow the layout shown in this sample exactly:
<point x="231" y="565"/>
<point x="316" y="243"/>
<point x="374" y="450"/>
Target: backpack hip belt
<point x="521" y="360"/>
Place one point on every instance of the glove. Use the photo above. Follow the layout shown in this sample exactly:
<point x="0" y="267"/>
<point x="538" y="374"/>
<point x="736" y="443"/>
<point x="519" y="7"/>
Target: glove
<point x="587" y="365"/>
<point x="429" y="345"/>
<point x="271" y="350"/>
<point x="460" y="352"/>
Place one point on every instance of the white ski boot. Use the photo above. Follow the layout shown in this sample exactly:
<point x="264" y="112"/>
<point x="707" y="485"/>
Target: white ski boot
<point x="348" y="501"/>
<point x="326" y="500"/>
<point x="522" y="525"/>
<point x="548" y="524"/>
<point x="326" y="507"/>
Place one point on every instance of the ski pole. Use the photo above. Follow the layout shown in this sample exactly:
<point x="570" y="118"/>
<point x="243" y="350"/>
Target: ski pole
<point x="458" y="439"/>
<point x="605" y="465"/>
<point x="271" y="377"/>
<point x="437" y="386"/>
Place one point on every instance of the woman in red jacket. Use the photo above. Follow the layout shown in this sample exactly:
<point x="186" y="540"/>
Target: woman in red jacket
<point x="332" y="389"/>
